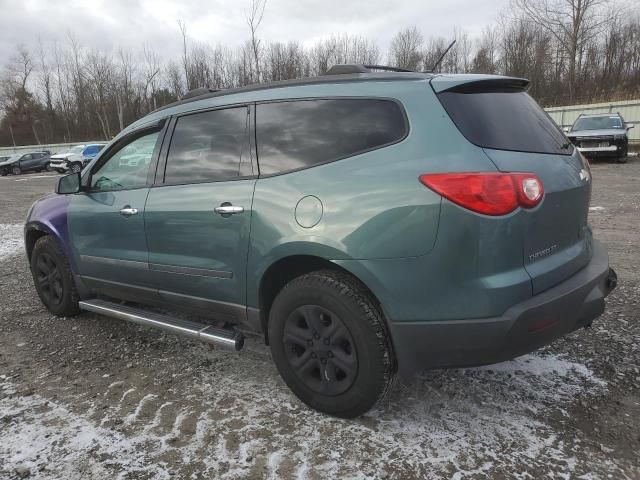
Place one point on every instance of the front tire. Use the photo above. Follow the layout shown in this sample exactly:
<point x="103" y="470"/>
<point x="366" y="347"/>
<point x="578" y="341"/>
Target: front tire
<point x="16" y="170"/>
<point x="53" y="278"/>
<point x="329" y="342"/>
<point x="623" y="158"/>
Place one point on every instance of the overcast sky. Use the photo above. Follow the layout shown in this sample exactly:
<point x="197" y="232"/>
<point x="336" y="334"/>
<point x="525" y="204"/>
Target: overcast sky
<point x="110" y="24"/>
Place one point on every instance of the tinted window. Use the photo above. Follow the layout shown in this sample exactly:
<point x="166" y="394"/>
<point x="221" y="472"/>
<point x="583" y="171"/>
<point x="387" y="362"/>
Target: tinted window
<point x="208" y="146"/>
<point x="90" y="150"/>
<point x="301" y="134"/>
<point x="128" y="167"/>
<point x="504" y="120"/>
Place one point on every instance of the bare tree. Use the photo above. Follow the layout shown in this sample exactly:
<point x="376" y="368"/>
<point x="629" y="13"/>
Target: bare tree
<point x="405" y="49"/>
<point x="66" y="92"/>
<point x="150" y="73"/>
<point x="185" y="57"/>
<point x="572" y="23"/>
<point x="253" y="16"/>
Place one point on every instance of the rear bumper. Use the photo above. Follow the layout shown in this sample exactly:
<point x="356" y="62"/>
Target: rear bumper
<point x="523" y="328"/>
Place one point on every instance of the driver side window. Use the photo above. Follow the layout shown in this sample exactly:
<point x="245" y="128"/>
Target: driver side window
<point x="128" y="167"/>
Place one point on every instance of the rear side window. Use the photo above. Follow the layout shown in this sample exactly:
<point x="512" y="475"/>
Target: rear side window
<point x="208" y="146"/>
<point x="300" y="134"/>
<point x="504" y="120"/>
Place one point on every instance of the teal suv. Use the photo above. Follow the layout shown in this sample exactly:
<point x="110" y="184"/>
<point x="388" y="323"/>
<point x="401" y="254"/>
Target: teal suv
<point x="363" y="224"/>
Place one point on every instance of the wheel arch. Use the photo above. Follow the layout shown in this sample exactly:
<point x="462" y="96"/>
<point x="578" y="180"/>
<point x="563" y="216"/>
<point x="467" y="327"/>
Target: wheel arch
<point x="285" y="269"/>
<point x="32" y="233"/>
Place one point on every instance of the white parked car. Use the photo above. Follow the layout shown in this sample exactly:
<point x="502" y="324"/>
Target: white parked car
<point x="59" y="160"/>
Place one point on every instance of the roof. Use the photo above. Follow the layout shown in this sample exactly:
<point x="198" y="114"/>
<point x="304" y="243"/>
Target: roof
<point x="609" y="114"/>
<point x="323" y="79"/>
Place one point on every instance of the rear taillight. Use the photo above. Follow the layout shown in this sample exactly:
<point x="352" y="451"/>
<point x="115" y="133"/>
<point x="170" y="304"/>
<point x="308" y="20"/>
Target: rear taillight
<point x="489" y="193"/>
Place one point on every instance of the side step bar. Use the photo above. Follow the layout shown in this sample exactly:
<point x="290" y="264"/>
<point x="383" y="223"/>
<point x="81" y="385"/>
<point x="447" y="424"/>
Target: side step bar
<point x="227" y="338"/>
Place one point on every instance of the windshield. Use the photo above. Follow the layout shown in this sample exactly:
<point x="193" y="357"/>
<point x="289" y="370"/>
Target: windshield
<point x="76" y="149"/>
<point x="597" y="123"/>
<point x="13" y="158"/>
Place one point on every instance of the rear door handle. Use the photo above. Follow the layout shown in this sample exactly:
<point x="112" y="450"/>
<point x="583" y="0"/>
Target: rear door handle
<point x="228" y="209"/>
<point x="127" y="211"/>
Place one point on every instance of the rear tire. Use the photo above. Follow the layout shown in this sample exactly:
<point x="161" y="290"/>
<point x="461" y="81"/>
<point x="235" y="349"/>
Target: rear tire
<point x="329" y="342"/>
<point x="75" y="167"/>
<point x="53" y="278"/>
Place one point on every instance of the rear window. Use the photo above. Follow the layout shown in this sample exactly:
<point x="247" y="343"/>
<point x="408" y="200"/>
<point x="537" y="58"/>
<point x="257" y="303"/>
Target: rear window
<point x="504" y="120"/>
<point x="208" y="146"/>
<point x="299" y="134"/>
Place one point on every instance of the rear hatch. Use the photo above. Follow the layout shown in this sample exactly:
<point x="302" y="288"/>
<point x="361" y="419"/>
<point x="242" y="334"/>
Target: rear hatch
<point x="515" y="133"/>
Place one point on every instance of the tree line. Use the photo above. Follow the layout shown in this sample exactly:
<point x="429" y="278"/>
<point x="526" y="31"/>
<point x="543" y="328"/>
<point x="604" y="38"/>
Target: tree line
<point x="572" y="51"/>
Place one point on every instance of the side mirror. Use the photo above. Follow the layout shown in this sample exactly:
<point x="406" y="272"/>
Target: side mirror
<point x="566" y="129"/>
<point x="629" y="127"/>
<point x="68" y="184"/>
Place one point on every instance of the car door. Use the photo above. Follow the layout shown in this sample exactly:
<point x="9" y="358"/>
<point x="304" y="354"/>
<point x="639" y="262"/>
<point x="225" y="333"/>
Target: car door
<point x="26" y="162"/>
<point x="106" y="222"/>
<point x="38" y="161"/>
<point x="198" y="215"/>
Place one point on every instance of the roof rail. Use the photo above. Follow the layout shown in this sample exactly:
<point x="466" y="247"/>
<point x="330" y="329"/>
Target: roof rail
<point x="386" y="68"/>
<point x="196" y="92"/>
<point x="346" y="68"/>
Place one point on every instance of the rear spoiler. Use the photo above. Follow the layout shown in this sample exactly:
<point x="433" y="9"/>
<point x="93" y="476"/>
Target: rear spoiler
<point x="478" y="84"/>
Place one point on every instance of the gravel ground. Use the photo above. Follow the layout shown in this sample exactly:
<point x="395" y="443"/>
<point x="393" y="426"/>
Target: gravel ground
<point x="91" y="397"/>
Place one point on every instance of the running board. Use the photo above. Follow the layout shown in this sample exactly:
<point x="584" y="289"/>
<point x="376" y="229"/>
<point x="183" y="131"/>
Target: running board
<point x="228" y="338"/>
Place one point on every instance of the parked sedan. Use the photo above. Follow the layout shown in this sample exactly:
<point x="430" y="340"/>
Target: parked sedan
<point x="25" y="162"/>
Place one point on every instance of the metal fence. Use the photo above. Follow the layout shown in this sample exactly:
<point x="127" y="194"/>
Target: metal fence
<point x="629" y="109"/>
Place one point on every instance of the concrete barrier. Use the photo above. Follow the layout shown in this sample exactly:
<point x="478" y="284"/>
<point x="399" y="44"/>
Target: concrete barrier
<point x="52" y="147"/>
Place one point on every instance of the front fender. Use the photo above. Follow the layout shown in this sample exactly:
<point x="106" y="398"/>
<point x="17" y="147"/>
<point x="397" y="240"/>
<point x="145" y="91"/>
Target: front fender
<point x="49" y="216"/>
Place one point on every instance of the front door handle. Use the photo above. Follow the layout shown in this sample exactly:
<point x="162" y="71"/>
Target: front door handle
<point x="228" y="209"/>
<point x="127" y="211"/>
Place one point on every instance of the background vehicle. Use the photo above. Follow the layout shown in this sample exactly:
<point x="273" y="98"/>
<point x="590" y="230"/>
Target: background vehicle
<point x="601" y="135"/>
<point x="59" y="160"/>
<point x="366" y="224"/>
<point x="88" y="154"/>
<point x="25" y="162"/>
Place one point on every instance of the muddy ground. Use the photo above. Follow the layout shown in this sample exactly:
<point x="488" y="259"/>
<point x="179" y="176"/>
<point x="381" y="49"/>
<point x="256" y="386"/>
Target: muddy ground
<point x="92" y="397"/>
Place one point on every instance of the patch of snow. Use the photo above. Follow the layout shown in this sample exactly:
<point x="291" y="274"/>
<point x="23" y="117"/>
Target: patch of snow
<point x="597" y="209"/>
<point x="452" y="423"/>
<point x="10" y="239"/>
